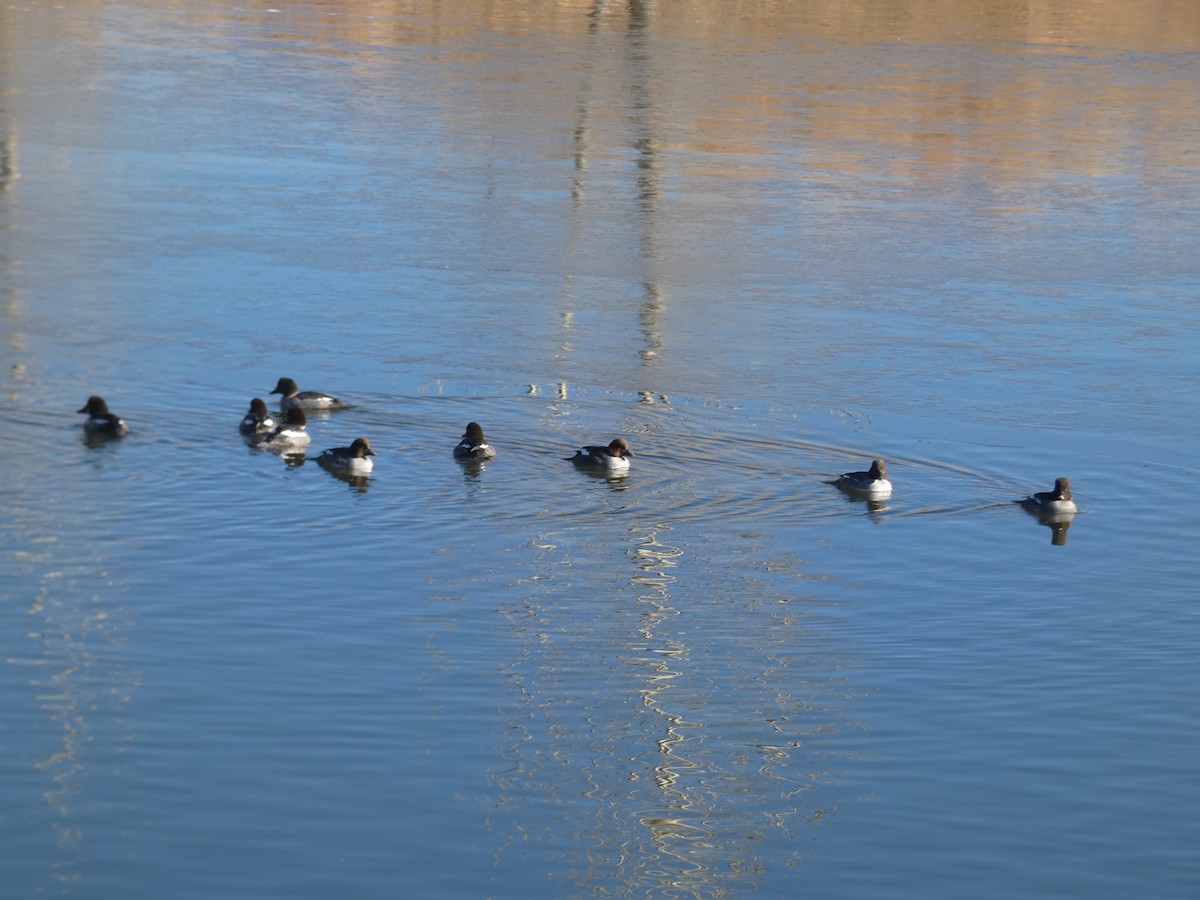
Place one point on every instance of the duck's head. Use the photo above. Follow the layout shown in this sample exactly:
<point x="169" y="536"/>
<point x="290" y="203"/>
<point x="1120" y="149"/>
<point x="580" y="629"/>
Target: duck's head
<point x="619" y="448"/>
<point x="361" y="448"/>
<point x="878" y="470"/>
<point x="95" y="406"/>
<point x="285" y="386"/>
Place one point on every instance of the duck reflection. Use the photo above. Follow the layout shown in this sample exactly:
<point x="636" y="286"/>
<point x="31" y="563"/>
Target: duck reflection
<point x="292" y="458"/>
<point x="358" y="483"/>
<point x="875" y="504"/>
<point x="1058" y="523"/>
<point x="96" y="440"/>
<point x="472" y="468"/>
<point x="618" y="481"/>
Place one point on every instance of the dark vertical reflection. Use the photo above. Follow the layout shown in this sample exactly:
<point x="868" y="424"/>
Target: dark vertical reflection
<point x="12" y="309"/>
<point x="581" y="152"/>
<point x="9" y="302"/>
<point x="8" y="154"/>
<point x="8" y="136"/>
<point x="638" y="69"/>
<point x="649" y="172"/>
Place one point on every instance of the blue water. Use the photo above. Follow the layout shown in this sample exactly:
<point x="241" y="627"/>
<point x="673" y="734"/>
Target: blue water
<point x="764" y="248"/>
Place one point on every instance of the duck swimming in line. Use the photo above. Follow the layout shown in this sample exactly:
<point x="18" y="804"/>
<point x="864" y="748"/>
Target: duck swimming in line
<point x="100" y="420"/>
<point x="614" y="457"/>
<point x="294" y="397"/>
<point x="1054" y="502"/>
<point x="258" y="420"/>
<point x="873" y="481"/>
<point x="293" y="433"/>
<point x="355" y="459"/>
<point x="473" y="444"/>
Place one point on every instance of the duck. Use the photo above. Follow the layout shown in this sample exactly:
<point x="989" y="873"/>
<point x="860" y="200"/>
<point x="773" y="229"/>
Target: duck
<point x="614" y="457"/>
<point x="1053" y="502"/>
<point x="292" y="433"/>
<point x="355" y="459"/>
<point x="100" y="420"/>
<point x="872" y="481"/>
<point x="294" y="397"/>
<point x="258" y="420"/>
<point x="473" y="444"/>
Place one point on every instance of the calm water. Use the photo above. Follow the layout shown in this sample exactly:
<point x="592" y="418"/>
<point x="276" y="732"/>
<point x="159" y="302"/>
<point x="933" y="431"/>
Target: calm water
<point x="765" y="242"/>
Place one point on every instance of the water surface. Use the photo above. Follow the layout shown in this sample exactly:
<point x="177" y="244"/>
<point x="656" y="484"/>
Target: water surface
<point x="765" y="243"/>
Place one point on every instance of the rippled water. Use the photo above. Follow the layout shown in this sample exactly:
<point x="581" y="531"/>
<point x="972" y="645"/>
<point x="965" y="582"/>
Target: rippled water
<point x="763" y="242"/>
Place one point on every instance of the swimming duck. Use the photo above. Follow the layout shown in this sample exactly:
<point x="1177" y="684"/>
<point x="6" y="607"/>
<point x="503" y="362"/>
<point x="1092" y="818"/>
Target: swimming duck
<point x="1055" y="501"/>
<point x="614" y="457"/>
<point x="355" y="459"/>
<point x="292" y="433"/>
<point x="873" y="481"/>
<point x="100" y="420"/>
<point x="473" y="444"/>
<point x="258" y="420"/>
<point x="293" y="397"/>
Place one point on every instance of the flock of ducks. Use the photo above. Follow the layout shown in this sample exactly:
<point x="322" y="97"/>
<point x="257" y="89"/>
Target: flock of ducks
<point x="291" y="435"/>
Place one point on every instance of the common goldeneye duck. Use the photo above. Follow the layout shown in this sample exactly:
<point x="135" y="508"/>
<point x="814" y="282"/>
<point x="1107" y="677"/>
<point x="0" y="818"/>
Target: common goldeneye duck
<point x="258" y="420"/>
<point x="100" y="420"/>
<point x="293" y="397"/>
<point x="873" y="481"/>
<point x="292" y="433"/>
<point x="473" y="444"/>
<point x="613" y="457"/>
<point x="355" y="459"/>
<point x="1055" y="501"/>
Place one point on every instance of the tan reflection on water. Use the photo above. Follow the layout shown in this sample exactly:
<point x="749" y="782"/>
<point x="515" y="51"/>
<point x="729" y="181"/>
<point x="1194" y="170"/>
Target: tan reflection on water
<point x="9" y="171"/>
<point x="1133" y="24"/>
<point x="738" y="77"/>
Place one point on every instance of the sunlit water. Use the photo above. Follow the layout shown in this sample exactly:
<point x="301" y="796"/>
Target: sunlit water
<point x="765" y="245"/>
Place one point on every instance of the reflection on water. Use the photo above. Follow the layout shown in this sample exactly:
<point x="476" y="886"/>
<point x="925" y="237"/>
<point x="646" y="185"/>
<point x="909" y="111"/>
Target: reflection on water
<point x="695" y="741"/>
<point x="874" y="505"/>
<point x="65" y="664"/>
<point x="9" y="171"/>
<point x="358" y="483"/>
<point x="8" y="161"/>
<point x="679" y="816"/>
<point x="1058" y="523"/>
